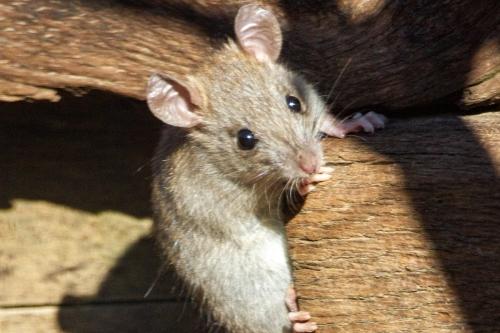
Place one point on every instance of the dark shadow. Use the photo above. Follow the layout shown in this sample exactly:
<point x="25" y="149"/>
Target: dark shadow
<point x="456" y="193"/>
<point x="132" y="298"/>
<point x="405" y="51"/>
<point x="92" y="153"/>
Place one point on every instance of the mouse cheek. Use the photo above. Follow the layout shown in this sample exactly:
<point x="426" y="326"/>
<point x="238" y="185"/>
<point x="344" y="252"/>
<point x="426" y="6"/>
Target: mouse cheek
<point x="288" y="167"/>
<point x="247" y="166"/>
<point x="264" y="164"/>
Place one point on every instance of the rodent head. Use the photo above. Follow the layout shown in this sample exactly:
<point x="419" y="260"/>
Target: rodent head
<point x="252" y="118"/>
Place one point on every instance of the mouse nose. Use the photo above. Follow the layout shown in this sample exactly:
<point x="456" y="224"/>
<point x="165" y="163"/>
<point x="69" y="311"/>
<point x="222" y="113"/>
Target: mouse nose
<point x="308" y="162"/>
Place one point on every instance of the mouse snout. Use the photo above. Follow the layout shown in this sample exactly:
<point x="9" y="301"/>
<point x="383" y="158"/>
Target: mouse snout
<point x="308" y="162"/>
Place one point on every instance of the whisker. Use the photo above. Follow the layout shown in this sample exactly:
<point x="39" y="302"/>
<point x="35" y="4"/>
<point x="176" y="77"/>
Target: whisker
<point x="338" y="79"/>
<point x="284" y="190"/>
<point x="295" y="187"/>
<point x="338" y="115"/>
<point x="159" y="274"/>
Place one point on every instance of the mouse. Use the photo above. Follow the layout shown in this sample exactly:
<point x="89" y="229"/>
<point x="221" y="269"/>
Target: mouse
<point x="242" y="136"/>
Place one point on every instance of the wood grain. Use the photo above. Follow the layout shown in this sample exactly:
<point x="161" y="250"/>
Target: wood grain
<point x="400" y="53"/>
<point x="405" y="237"/>
<point x="76" y="254"/>
<point x="100" y="45"/>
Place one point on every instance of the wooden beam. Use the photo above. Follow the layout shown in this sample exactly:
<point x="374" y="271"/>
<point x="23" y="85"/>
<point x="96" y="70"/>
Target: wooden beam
<point x="405" y="237"/>
<point x="400" y="54"/>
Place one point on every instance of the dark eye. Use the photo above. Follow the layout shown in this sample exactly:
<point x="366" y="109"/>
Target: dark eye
<point x="293" y="103"/>
<point x="246" y="139"/>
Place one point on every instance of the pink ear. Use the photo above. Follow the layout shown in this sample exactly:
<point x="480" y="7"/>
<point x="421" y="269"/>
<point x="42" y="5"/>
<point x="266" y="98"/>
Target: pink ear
<point x="172" y="102"/>
<point x="258" y="32"/>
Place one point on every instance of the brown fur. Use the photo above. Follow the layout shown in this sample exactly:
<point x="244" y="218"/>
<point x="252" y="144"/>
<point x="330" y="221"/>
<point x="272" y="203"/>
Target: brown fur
<point x="217" y="215"/>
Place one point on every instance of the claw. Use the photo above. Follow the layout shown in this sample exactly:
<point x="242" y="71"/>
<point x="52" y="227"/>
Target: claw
<point x="291" y="300"/>
<point x="377" y="119"/>
<point x="305" y="188"/>
<point x="304" y="327"/>
<point x="298" y="318"/>
<point x="319" y="177"/>
<point x="325" y="169"/>
<point x="323" y="174"/>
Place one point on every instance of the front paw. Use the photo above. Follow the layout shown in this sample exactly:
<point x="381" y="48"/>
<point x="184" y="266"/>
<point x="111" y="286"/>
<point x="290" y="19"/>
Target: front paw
<point x="368" y="122"/>
<point x="306" y="185"/>
<point x="300" y="319"/>
<point x="300" y="322"/>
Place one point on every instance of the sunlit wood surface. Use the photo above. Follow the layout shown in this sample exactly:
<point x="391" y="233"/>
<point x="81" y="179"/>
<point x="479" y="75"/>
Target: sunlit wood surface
<point x="404" y="238"/>
<point x="406" y="235"/>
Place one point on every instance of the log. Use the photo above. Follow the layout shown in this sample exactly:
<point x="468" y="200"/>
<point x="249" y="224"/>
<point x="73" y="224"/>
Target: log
<point x="395" y="54"/>
<point x="405" y="237"/>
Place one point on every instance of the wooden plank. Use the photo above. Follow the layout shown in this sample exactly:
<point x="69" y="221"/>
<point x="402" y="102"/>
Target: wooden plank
<point x="52" y="254"/>
<point x="123" y="318"/>
<point x="74" y="216"/>
<point x="405" y="237"/>
<point x="76" y="253"/>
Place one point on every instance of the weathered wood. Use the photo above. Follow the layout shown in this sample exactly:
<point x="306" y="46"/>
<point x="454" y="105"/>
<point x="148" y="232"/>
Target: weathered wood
<point x="52" y="254"/>
<point x="102" y="45"/>
<point x="406" y="236"/>
<point x="103" y="318"/>
<point x="400" y="53"/>
<point x="73" y="203"/>
<point x="75" y="251"/>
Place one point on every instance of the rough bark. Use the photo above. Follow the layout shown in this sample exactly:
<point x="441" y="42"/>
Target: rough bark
<point x="405" y="237"/>
<point x="400" y="53"/>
